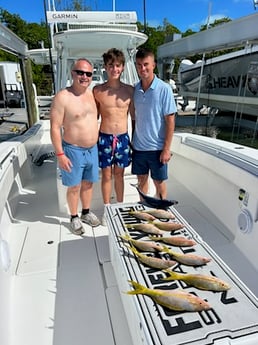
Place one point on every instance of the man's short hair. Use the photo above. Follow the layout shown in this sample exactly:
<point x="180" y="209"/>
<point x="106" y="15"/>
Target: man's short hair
<point x="143" y="53"/>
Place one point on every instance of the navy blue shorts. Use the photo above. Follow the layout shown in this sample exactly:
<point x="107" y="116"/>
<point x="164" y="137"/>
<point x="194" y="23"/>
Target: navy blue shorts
<point x="114" y="149"/>
<point x="144" y="162"/>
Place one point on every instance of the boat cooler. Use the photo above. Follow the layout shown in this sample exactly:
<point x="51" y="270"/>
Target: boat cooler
<point x="233" y="318"/>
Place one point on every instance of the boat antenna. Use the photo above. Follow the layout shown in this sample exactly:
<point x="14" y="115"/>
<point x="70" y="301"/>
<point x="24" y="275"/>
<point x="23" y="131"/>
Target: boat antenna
<point x="144" y="15"/>
<point x="49" y="45"/>
<point x="114" y="5"/>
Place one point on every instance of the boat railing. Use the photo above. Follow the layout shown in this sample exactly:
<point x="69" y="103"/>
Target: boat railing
<point x="230" y="155"/>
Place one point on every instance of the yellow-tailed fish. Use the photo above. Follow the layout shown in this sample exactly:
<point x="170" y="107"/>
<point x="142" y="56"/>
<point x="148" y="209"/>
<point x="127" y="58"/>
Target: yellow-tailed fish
<point x="179" y="241"/>
<point x="168" y="226"/>
<point x="200" y="281"/>
<point x="187" y="259"/>
<point x="161" y="214"/>
<point x="177" y="300"/>
<point x="152" y="261"/>
<point x="145" y="227"/>
<point x="141" y="215"/>
<point x="146" y="246"/>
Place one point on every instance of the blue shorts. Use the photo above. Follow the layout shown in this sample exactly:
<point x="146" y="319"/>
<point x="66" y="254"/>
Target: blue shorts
<point x="85" y="165"/>
<point x="144" y="162"/>
<point x="114" y="149"/>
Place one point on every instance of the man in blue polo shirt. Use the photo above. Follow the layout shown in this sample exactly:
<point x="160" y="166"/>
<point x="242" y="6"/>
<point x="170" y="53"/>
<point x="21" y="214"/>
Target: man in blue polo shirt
<point x="153" y="124"/>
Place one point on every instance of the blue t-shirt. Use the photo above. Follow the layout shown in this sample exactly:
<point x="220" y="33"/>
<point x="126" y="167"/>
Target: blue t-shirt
<point x="151" y="107"/>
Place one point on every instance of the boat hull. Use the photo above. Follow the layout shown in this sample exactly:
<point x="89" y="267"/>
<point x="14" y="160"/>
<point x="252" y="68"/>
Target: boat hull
<point x="228" y="83"/>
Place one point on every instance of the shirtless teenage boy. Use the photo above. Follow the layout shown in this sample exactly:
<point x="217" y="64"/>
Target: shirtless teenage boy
<point x="114" y="103"/>
<point x="74" y="134"/>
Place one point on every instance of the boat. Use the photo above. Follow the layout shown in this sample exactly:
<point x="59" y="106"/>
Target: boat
<point x="58" y="288"/>
<point x="228" y="82"/>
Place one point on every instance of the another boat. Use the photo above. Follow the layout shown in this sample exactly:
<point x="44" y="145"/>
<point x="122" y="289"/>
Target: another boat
<point x="61" y="289"/>
<point x="228" y="82"/>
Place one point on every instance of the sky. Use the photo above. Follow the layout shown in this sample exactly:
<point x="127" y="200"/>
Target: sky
<point x="183" y="14"/>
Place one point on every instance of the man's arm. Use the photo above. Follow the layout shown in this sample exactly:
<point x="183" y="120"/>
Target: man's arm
<point x="56" y="122"/>
<point x="170" y="127"/>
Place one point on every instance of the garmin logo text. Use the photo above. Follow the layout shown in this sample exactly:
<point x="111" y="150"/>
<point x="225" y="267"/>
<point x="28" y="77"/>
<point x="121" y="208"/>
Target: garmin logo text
<point x="64" y="16"/>
<point x="90" y="16"/>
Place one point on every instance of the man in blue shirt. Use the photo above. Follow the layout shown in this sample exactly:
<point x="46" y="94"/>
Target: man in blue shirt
<point x="153" y="125"/>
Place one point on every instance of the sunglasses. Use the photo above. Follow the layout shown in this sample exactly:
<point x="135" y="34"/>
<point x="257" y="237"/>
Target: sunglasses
<point x="81" y="73"/>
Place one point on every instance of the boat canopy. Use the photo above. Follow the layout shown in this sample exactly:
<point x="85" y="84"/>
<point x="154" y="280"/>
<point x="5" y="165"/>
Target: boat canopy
<point x="88" y="34"/>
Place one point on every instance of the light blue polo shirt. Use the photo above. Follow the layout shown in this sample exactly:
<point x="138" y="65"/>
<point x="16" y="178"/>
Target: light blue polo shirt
<point x="151" y="107"/>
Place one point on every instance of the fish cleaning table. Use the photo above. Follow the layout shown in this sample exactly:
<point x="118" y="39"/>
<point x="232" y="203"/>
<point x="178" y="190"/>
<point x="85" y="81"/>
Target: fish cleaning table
<point x="233" y="317"/>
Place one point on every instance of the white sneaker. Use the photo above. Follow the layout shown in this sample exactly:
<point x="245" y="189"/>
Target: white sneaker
<point x="91" y="219"/>
<point x="76" y="226"/>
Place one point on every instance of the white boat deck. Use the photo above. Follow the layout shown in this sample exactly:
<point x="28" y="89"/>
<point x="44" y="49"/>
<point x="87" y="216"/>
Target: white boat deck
<point x="63" y="289"/>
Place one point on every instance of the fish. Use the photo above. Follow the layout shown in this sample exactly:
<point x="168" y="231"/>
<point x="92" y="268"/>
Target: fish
<point x="200" y="281"/>
<point x="179" y="241"/>
<point x="168" y="226"/>
<point x="155" y="202"/>
<point x="161" y="214"/>
<point x="145" y="227"/>
<point x="146" y="246"/>
<point x="141" y="215"/>
<point x="177" y="300"/>
<point x="152" y="261"/>
<point x="187" y="259"/>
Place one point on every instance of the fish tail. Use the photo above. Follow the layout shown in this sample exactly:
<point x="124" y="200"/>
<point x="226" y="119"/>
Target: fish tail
<point x="172" y="275"/>
<point x="138" y="288"/>
<point x="167" y="250"/>
<point x="133" y="249"/>
<point x="125" y="237"/>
